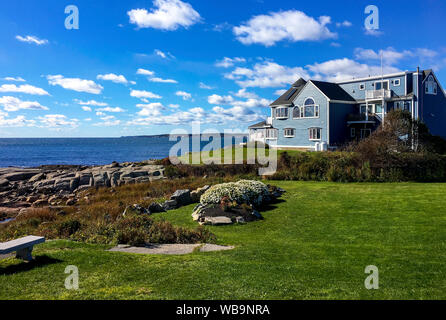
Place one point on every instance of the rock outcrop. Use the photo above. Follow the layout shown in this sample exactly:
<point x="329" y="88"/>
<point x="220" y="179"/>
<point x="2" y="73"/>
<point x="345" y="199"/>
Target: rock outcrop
<point x="58" y="185"/>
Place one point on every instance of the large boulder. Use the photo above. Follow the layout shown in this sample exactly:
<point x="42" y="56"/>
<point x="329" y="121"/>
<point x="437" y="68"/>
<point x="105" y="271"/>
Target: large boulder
<point x="19" y="176"/>
<point x="169" y="205"/>
<point x="216" y="221"/>
<point x="155" y="207"/>
<point x="135" y="209"/>
<point x="182" y="197"/>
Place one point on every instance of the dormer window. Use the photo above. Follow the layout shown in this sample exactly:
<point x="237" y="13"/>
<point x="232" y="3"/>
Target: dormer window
<point x="282" y="113"/>
<point x="397" y="82"/>
<point x="362" y="86"/>
<point x="431" y="85"/>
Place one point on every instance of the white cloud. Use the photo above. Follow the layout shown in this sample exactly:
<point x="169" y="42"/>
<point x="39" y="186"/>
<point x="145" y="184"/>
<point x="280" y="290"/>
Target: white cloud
<point x="17" y="79"/>
<point x="113" y="77"/>
<point x="58" y="121"/>
<point x="345" y="69"/>
<point x="373" y="32"/>
<point x="164" y="55"/>
<point x="229" y="62"/>
<point x="150" y="109"/>
<point x="85" y="108"/>
<point x="24" y="88"/>
<point x="174" y="106"/>
<point x="280" y="92"/>
<point x="19" y="121"/>
<point x="205" y="86"/>
<point x="145" y="72"/>
<point x="32" y="39"/>
<point x="218" y="115"/>
<point x="144" y="94"/>
<point x="76" y="84"/>
<point x="344" y="24"/>
<point x="100" y="114"/>
<point x="110" y="109"/>
<point x="91" y="103"/>
<point x="266" y="74"/>
<point x="15" y="104"/>
<point x="242" y="93"/>
<point x="390" y="55"/>
<point x="217" y="99"/>
<point x="184" y="95"/>
<point x="289" y="25"/>
<point x="162" y="80"/>
<point x="160" y="53"/>
<point x="167" y="15"/>
<point x="253" y="101"/>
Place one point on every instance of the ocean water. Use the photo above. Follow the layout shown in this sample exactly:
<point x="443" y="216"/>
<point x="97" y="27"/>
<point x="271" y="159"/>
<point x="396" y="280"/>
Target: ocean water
<point x="32" y="152"/>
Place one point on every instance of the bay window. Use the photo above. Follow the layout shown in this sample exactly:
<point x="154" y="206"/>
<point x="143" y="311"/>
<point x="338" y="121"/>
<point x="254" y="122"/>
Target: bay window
<point x="282" y="113"/>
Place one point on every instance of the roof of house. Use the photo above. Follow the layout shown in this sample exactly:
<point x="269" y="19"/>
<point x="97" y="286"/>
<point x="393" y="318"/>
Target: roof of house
<point x="288" y="97"/>
<point x="259" y="125"/>
<point x="333" y="91"/>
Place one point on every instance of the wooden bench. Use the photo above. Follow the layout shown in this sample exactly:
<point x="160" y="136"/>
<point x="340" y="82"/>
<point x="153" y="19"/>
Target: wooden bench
<point x="23" y="247"/>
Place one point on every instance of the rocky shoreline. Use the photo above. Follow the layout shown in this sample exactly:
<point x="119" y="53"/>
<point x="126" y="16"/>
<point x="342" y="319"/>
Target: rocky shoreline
<point x="59" y="185"/>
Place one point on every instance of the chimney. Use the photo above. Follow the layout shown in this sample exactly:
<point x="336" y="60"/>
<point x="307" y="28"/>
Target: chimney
<point x="418" y="69"/>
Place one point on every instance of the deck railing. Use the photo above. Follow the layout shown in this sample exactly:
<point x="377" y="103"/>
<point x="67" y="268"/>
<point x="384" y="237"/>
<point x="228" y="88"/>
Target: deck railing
<point x="378" y="94"/>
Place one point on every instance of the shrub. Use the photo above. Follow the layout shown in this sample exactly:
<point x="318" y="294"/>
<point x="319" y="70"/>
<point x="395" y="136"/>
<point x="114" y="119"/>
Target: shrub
<point x="243" y="191"/>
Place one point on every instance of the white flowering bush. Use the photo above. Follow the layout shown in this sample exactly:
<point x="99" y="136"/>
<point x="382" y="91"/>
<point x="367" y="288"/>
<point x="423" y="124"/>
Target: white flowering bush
<point x="243" y="191"/>
<point x="255" y="191"/>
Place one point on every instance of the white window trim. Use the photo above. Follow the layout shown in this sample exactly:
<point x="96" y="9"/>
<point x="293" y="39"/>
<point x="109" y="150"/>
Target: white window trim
<point x="315" y="139"/>
<point x="379" y="81"/>
<point x="271" y="138"/>
<point x="283" y="117"/>
<point x="300" y="112"/>
<point x="363" y="86"/>
<point x="289" y="136"/>
<point x="394" y="82"/>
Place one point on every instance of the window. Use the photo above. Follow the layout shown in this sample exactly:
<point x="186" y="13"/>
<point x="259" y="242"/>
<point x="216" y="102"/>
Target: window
<point x="271" y="133"/>
<point x="296" y="112"/>
<point x="282" y="113"/>
<point x="352" y="132"/>
<point x="288" y="132"/>
<point x="364" y="108"/>
<point x="315" y="133"/>
<point x="397" y="82"/>
<point x="378" y="108"/>
<point x="365" y="133"/>
<point x="362" y="86"/>
<point x="310" y="109"/>
<point x="406" y="105"/>
<point x="382" y="85"/>
<point x="431" y="85"/>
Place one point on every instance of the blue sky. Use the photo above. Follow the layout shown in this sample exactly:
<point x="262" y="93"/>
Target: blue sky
<point x="148" y="67"/>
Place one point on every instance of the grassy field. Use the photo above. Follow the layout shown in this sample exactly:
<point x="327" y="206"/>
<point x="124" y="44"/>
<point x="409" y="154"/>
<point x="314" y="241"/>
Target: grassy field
<point x="315" y="244"/>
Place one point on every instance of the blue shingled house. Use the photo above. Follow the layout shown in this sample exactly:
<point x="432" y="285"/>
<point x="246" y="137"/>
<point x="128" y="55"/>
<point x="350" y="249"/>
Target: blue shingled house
<point x="317" y="115"/>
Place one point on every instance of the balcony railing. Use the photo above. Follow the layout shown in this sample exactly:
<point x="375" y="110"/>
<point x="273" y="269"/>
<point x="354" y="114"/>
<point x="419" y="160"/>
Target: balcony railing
<point x="378" y="94"/>
<point x="355" y="117"/>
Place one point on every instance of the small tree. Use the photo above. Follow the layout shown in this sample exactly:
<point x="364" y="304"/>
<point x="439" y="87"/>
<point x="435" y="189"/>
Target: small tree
<point x="399" y="133"/>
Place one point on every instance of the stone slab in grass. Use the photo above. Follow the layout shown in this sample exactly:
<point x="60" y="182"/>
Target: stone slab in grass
<point x="170" y="248"/>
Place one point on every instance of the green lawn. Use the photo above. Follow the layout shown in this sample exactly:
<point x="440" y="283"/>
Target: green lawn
<point x="313" y="245"/>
